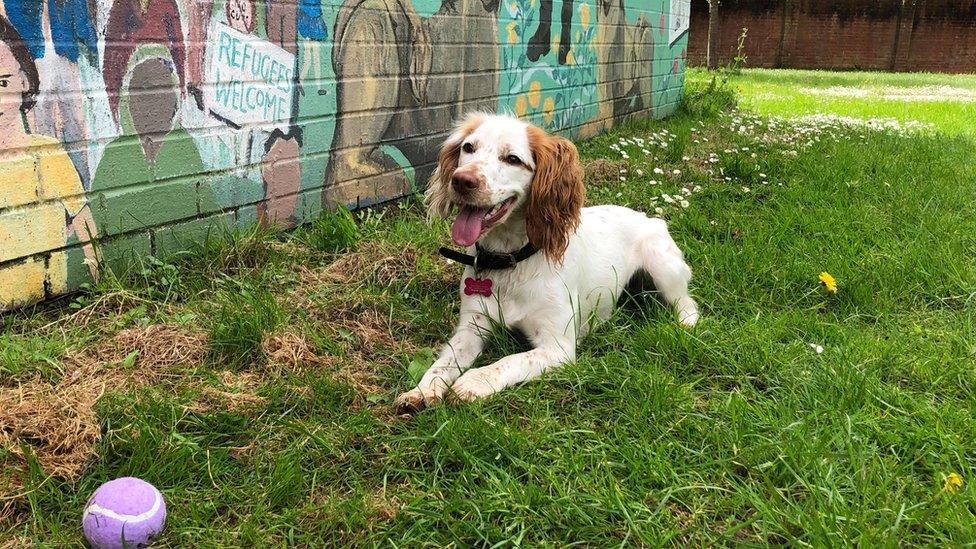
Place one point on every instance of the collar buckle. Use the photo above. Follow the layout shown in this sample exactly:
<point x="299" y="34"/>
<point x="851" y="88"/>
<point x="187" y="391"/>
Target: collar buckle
<point x="484" y="260"/>
<point x="508" y="258"/>
<point x="488" y="260"/>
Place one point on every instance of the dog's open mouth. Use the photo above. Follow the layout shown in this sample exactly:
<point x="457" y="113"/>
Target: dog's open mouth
<point x="473" y="221"/>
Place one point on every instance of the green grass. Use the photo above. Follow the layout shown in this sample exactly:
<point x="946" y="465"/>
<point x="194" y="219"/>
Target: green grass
<point x="243" y="318"/>
<point x="332" y="232"/>
<point x="736" y="432"/>
<point x="799" y="92"/>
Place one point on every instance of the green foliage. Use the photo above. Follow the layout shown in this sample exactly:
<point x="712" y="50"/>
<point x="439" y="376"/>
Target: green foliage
<point x="231" y="252"/>
<point x="734" y="68"/>
<point x="332" y="232"/>
<point x="177" y="277"/>
<point x="26" y="355"/>
<point x="706" y="98"/>
<point x="419" y="363"/>
<point x="247" y="253"/>
<point x="160" y="280"/>
<point x="241" y="319"/>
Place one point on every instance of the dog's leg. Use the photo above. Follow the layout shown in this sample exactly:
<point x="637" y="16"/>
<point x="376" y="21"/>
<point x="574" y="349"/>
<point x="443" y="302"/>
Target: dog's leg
<point x="511" y="370"/>
<point x="458" y="355"/>
<point x="663" y="260"/>
<point x="553" y="348"/>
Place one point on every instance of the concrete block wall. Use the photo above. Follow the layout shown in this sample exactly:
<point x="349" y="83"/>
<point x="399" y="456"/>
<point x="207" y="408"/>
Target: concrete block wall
<point x="896" y="35"/>
<point x="144" y="125"/>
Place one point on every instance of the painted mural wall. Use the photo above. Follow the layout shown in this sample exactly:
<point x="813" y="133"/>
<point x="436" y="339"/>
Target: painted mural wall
<point x="142" y="125"/>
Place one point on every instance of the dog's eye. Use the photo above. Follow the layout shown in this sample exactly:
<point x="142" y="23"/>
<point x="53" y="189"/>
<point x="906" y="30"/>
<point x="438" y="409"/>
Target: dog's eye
<point x="468" y="148"/>
<point x="513" y="160"/>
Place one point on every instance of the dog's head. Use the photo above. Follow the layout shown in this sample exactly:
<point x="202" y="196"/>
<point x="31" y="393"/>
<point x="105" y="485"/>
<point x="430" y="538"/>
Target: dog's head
<point x="497" y="170"/>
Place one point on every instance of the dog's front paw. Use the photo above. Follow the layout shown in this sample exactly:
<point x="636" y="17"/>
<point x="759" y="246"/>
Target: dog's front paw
<point x="475" y="384"/>
<point x="688" y="319"/>
<point x="409" y="403"/>
<point x="687" y="312"/>
<point x="414" y="401"/>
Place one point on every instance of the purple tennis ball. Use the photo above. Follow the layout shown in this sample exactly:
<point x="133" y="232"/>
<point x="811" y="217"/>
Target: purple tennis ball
<point x="124" y="513"/>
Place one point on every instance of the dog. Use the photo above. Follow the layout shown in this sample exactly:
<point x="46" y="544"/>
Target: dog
<point x="546" y="266"/>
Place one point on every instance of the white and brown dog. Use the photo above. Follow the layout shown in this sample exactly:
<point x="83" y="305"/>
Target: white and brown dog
<point x="518" y="190"/>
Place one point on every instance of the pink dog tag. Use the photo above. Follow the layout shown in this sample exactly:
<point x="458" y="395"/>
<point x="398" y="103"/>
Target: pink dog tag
<point x="479" y="286"/>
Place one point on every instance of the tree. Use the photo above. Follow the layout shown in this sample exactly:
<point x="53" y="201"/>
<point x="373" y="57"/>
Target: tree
<point x="713" y="34"/>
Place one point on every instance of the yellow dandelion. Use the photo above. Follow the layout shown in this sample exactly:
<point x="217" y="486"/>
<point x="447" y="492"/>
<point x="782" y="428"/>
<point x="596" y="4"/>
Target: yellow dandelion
<point x="520" y="106"/>
<point x="547" y="107"/>
<point x="585" y="15"/>
<point x="512" y="37"/>
<point x="514" y="7"/>
<point x="829" y="282"/>
<point x="570" y="58"/>
<point x="535" y="94"/>
<point x="953" y="482"/>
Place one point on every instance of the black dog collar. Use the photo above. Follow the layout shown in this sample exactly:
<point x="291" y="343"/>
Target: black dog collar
<point x="485" y="260"/>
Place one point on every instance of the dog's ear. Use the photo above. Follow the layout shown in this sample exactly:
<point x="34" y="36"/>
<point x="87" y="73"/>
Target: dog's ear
<point x="438" y="195"/>
<point x="557" y="193"/>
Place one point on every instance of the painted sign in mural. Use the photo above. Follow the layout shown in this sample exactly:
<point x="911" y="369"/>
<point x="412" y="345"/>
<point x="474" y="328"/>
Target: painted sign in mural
<point x="144" y="124"/>
<point x="251" y="81"/>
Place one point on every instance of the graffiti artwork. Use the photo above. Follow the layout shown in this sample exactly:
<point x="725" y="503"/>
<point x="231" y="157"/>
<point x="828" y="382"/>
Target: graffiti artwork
<point x="143" y="124"/>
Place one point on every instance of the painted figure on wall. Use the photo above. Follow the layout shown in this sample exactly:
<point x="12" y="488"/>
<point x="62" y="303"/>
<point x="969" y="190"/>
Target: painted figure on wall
<point x="625" y="61"/>
<point x="311" y="26"/>
<point x="281" y="23"/>
<point x="258" y="105"/>
<point x="57" y="33"/>
<point x="144" y="77"/>
<point x="240" y="15"/>
<point x="400" y="78"/>
<point x="289" y="23"/>
<point x="132" y="23"/>
<point x="37" y="174"/>
<point x="152" y="148"/>
<point x="282" y="177"/>
<point x="540" y="42"/>
<point x="555" y="96"/>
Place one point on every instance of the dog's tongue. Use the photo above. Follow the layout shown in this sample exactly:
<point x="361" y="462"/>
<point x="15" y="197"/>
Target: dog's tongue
<point x="467" y="226"/>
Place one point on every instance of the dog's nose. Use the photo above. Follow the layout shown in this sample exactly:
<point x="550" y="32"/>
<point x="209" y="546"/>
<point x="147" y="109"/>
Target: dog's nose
<point x="464" y="182"/>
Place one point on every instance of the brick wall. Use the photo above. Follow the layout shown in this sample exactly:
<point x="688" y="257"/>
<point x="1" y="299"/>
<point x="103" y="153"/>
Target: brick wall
<point x="146" y="125"/>
<point x="909" y="35"/>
